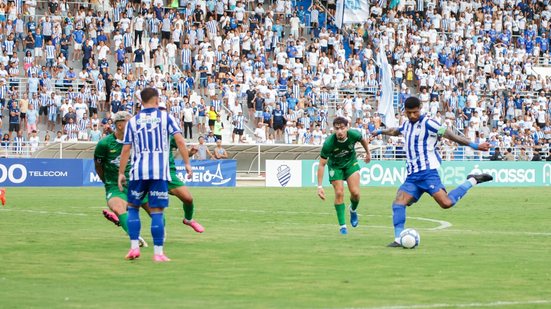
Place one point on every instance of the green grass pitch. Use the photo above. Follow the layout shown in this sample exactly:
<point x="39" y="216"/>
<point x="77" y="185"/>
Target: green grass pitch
<point x="278" y="248"/>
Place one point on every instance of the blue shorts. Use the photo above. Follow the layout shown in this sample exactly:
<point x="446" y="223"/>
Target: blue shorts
<point x="424" y="181"/>
<point x="156" y="190"/>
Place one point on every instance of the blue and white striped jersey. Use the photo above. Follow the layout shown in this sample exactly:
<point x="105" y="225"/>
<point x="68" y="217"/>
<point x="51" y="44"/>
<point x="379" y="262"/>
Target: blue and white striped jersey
<point x="421" y="139"/>
<point x="148" y="133"/>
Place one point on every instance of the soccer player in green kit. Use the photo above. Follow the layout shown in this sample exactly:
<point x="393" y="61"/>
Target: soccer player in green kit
<point x="339" y="155"/>
<point x="106" y="160"/>
<point x="118" y="205"/>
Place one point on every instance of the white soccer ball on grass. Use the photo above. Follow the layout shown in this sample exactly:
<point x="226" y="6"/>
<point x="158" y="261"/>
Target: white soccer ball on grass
<point x="410" y="238"/>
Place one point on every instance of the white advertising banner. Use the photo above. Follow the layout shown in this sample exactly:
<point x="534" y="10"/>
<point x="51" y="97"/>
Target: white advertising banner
<point x="283" y="173"/>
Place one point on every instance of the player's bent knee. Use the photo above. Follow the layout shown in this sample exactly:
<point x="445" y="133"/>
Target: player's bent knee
<point x="355" y="195"/>
<point x="446" y="204"/>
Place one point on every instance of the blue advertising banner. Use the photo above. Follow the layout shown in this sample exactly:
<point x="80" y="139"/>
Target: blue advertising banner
<point x="79" y="172"/>
<point x="206" y="173"/>
<point x="41" y="172"/>
<point x="89" y="175"/>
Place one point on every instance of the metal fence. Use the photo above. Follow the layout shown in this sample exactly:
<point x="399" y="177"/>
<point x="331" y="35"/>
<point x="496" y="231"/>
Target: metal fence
<point x="27" y="149"/>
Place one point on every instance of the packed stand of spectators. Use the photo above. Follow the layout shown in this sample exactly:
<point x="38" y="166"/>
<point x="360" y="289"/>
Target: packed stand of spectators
<point x="471" y="64"/>
<point x="275" y="67"/>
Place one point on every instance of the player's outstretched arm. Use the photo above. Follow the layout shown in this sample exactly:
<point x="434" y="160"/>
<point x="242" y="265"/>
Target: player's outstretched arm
<point x="321" y="170"/>
<point x="365" y="144"/>
<point x="390" y="131"/>
<point x="461" y="140"/>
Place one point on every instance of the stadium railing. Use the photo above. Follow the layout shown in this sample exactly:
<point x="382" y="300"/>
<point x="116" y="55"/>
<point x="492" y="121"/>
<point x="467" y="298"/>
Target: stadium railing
<point x="250" y="158"/>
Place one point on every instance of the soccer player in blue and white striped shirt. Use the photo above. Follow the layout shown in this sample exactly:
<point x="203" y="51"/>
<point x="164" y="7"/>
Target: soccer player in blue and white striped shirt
<point x="421" y="136"/>
<point x="147" y="136"/>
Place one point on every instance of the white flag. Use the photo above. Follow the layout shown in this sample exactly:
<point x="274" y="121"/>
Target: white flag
<point x="386" y="106"/>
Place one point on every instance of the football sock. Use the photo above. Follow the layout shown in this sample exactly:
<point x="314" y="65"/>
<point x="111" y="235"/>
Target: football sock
<point x="354" y="204"/>
<point x="135" y="244"/>
<point x="340" y="214"/>
<point x="157" y="228"/>
<point x="398" y="219"/>
<point x="158" y="250"/>
<point x="188" y="211"/>
<point x="457" y="193"/>
<point x="134" y="224"/>
<point x="123" y="220"/>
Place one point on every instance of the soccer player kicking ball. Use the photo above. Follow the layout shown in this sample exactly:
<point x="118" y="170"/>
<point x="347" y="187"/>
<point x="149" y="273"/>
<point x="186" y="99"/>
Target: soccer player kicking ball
<point x="147" y="136"/>
<point x="421" y="136"/>
<point x="106" y="160"/>
<point x="339" y="155"/>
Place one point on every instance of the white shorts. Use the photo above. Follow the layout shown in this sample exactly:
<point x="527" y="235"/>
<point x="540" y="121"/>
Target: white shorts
<point x="138" y="64"/>
<point x="102" y="96"/>
<point x="78" y="46"/>
<point x="38" y="52"/>
<point x="202" y="119"/>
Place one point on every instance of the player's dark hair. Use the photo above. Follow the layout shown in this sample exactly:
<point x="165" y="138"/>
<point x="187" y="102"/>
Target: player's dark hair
<point x="148" y="93"/>
<point x="412" y="102"/>
<point x="340" y="120"/>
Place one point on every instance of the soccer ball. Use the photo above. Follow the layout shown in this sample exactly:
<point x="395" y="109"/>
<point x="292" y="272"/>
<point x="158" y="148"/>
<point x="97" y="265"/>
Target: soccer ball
<point x="410" y="238"/>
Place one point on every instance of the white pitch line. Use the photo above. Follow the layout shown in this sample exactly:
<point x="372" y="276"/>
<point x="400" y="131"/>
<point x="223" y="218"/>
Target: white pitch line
<point x="44" y="212"/>
<point x="441" y="224"/>
<point x="466" y="305"/>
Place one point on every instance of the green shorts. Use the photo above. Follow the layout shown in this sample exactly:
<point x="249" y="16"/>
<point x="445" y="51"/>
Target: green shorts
<point x="344" y="172"/>
<point x="112" y="191"/>
<point x="176" y="181"/>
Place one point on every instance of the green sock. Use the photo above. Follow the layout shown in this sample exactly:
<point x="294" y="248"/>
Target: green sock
<point x="340" y="214"/>
<point x="123" y="219"/>
<point x="188" y="211"/>
<point x="354" y="204"/>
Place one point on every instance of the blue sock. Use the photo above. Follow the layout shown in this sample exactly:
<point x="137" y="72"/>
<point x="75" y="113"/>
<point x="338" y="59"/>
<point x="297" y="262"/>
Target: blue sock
<point x="157" y="228"/>
<point x="457" y="193"/>
<point x="134" y="224"/>
<point x="398" y="218"/>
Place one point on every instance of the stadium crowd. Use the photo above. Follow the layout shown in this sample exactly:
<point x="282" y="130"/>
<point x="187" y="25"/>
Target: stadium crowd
<point x="281" y="69"/>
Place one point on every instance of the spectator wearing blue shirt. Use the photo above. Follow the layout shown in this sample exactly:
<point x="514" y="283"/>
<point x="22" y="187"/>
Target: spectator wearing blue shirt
<point x="139" y="60"/>
<point x="38" y="45"/>
<point x="64" y="45"/>
<point x="291" y="51"/>
<point x="31" y="25"/>
<point x="78" y="38"/>
<point x="543" y="43"/>
<point x="116" y="104"/>
<point x="87" y="51"/>
<point x="529" y="45"/>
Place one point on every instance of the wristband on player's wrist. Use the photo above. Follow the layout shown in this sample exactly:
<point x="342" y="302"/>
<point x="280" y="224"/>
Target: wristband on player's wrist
<point x="378" y="132"/>
<point x="320" y="187"/>
<point x="473" y="145"/>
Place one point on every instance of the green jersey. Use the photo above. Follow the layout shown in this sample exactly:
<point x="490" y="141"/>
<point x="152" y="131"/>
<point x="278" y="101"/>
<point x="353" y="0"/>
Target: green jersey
<point x="341" y="154"/>
<point x="108" y="153"/>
